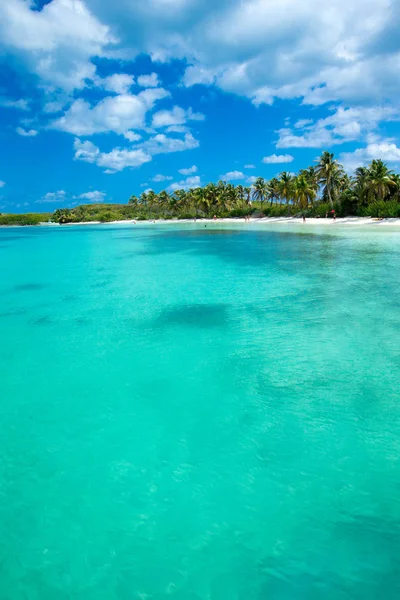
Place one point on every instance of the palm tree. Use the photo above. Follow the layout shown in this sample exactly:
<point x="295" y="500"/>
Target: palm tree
<point x="143" y="198"/>
<point x="247" y="191"/>
<point x="133" y="200"/>
<point x="260" y="190"/>
<point x="163" y="199"/>
<point x="379" y="180"/>
<point x="329" y="172"/>
<point x="304" y="192"/>
<point x="285" y="186"/>
<point x="395" y="190"/>
<point x="273" y="190"/>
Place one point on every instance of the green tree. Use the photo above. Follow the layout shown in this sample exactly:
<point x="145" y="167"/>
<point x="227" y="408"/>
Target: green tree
<point x="304" y="192"/>
<point x="260" y="190"/>
<point x="329" y="172"/>
<point x="379" y="180"/>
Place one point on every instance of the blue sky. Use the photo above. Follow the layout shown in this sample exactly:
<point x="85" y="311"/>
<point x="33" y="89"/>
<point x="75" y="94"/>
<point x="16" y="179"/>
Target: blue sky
<point x="100" y="100"/>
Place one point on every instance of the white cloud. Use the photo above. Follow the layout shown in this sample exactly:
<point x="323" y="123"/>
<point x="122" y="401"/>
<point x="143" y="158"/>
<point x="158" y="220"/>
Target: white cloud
<point x="344" y="125"/>
<point x="159" y="178"/>
<point x="199" y="75"/>
<point x="26" y="132"/>
<point x="53" y="106"/>
<point x="266" y="49"/>
<point x="20" y="104"/>
<point x="114" y="113"/>
<point x="290" y="49"/>
<point x="148" y="80"/>
<point x="275" y="159"/>
<point x="251" y="179"/>
<point x="161" y="144"/>
<point x="94" y="196"/>
<point x="120" y="83"/>
<point x="249" y="166"/>
<point x="57" y="42"/>
<point x="185" y="184"/>
<point x="116" y="160"/>
<point x="302" y="123"/>
<point x="188" y="171"/>
<point x="386" y="150"/>
<point x="2" y="183"/>
<point x="232" y="175"/>
<point x="132" y="136"/>
<point x="176" y="116"/>
<point x="52" y="197"/>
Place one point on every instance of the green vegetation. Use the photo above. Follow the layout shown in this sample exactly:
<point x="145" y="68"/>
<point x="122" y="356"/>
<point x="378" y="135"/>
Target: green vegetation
<point x="25" y="219"/>
<point x="315" y="192"/>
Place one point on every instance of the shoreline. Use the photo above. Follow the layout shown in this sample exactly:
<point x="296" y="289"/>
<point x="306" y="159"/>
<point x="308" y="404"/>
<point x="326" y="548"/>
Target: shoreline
<point x="347" y="221"/>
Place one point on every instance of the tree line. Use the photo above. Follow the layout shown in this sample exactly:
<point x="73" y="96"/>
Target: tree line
<point x="372" y="190"/>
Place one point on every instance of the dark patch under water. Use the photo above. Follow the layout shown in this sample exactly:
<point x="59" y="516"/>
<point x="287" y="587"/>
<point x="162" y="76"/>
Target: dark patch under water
<point x="194" y="315"/>
<point x="28" y="287"/>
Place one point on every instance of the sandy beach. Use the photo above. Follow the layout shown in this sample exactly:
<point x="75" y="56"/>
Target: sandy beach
<point x="347" y="221"/>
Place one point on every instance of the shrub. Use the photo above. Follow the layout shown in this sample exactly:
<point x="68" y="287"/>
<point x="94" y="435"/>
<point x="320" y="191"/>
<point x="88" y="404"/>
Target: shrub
<point x="382" y="209"/>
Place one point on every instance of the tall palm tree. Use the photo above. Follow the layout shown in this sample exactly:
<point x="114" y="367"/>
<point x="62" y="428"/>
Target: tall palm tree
<point x="260" y="190"/>
<point x="304" y="192"/>
<point x="273" y="190"/>
<point x="359" y="184"/>
<point x="143" y="198"/>
<point x="379" y="180"/>
<point x="395" y="190"/>
<point x="247" y="192"/>
<point x="285" y="186"/>
<point x="163" y="199"/>
<point x="133" y="200"/>
<point x="329" y="172"/>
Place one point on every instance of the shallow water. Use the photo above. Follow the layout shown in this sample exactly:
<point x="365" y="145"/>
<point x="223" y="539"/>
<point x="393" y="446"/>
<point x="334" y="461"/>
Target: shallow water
<point x="199" y="413"/>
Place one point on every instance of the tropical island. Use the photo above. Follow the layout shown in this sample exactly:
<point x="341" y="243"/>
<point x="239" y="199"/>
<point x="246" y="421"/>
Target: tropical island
<point x="321" y="190"/>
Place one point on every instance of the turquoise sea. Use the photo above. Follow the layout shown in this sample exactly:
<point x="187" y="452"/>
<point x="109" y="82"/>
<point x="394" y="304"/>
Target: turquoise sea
<point x="199" y="413"/>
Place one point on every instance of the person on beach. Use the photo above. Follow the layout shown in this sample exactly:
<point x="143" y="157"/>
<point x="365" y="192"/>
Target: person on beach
<point x="304" y="218"/>
<point x="333" y="215"/>
<point x="215" y="217"/>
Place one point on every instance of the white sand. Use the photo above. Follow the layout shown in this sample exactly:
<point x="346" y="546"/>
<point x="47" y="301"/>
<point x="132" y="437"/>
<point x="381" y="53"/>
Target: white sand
<point x="348" y="221"/>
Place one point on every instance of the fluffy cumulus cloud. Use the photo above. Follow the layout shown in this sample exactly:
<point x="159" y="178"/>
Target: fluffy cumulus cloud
<point x="249" y="166"/>
<point x="57" y="42"/>
<point x="163" y="144"/>
<point x="275" y="159"/>
<point x="120" y="83"/>
<point x="118" y="114"/>
<point x="185" y="184"/>
<point x="232" y="176"/>
<point x="343" y="125"/>
<point x="116" y="160"/>
<point x="53" y="197"/>
<point x="175" y="116"/>
<point x="263" y="49"/>
<point x="188" y="171"/>
<point x="269" y="49"/>
<point x="147" y="81"/>
<point x="121" y="158"/>
<point x="20" y="104"/>
<point x="158" y="178"/>
<point x="26" y="132"/>
<point x="94" y="196"/>
<point x="386" y="150"/>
